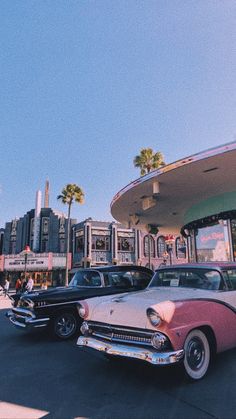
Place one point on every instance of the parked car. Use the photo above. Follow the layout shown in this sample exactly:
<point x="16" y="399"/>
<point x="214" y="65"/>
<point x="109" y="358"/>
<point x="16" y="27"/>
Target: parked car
<point x="56" y="308"/>
<point x="186" y="314"/>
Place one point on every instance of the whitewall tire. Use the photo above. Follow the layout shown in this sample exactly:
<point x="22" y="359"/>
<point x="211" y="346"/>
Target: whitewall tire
<point x="197" y="354"/>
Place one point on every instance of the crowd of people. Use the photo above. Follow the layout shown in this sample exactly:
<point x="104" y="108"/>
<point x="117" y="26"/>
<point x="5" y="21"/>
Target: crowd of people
<point x="23" y="284"/>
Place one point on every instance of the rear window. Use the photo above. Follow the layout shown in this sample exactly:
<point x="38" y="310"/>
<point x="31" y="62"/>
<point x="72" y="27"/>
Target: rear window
<point x="127" y="279"/>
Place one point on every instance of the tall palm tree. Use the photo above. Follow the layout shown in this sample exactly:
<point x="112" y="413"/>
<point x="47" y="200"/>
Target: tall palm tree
<point x="147" y="160"/>
<point x="70" y="193"/>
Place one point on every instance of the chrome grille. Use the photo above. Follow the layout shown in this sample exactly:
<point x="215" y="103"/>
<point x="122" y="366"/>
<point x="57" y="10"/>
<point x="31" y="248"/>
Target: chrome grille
<point x="120" y="334"/>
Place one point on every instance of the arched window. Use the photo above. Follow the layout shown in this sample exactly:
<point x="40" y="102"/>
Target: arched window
<point x="180" y="248"/>
<point x="161" y="246"/>
<point x="148" y="243"/>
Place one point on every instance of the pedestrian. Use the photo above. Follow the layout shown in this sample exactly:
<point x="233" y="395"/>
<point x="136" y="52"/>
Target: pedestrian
<point x="23" y="284"/>
<point x="6" y="287"/>
<point x="18" y="285"/>
<point x="44" y="285"/>
<point x="30" y="284"/>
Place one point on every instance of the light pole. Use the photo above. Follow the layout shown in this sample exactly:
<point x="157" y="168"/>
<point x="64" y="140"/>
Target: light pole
<point x="149" y="251"/>
<point x="26" y="252"/>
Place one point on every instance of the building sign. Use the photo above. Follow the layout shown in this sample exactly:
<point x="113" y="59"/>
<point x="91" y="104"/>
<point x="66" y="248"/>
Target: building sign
<point x="17" y="263"/>
<point x="47" y="261"/>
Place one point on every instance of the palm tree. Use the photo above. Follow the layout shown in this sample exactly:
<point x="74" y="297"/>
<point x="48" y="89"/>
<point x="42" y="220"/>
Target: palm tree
<point x="147" y="160"/>
<point x="70" y="193"/>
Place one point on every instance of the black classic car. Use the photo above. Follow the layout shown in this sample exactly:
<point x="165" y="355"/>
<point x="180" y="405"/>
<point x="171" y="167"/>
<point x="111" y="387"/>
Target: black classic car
<point x="56" y="308"/>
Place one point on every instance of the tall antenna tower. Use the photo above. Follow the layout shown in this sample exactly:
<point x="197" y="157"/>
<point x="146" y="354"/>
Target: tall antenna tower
<point x="46" y="194"/>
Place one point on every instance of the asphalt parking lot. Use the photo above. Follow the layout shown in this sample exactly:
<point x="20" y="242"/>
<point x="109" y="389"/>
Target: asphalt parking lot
<point x="43" y="378"/>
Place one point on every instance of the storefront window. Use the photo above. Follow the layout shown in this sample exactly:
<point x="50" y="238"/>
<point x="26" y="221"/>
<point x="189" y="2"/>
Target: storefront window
<point x="233" y="231"/>
<point x="212" y="243"/>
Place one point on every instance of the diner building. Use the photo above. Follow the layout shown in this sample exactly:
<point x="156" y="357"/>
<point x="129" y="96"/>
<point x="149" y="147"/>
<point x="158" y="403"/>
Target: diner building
<point x="193" y="198"/>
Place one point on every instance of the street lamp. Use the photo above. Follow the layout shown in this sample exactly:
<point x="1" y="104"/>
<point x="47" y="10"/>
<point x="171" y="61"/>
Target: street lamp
<point x="26" y="252"/>
<point x="169" y="240"/>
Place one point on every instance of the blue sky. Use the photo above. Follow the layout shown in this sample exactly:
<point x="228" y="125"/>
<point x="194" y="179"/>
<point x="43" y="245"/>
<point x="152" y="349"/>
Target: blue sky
<point x="86" y="84"/>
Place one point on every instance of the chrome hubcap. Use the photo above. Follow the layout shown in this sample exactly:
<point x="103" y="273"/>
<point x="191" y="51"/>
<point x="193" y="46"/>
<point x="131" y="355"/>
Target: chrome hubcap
<point x="65" y="325"/>
<point x="195" y="353"/>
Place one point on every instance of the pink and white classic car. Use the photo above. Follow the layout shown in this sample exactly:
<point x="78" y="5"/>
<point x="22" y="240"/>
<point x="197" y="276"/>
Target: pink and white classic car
<point x="187" y="314"/>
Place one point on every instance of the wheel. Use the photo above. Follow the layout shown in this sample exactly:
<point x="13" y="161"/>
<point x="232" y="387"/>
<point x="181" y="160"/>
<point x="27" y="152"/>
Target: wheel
<point x="65" y="325"/>
<point x="197" y="354"/>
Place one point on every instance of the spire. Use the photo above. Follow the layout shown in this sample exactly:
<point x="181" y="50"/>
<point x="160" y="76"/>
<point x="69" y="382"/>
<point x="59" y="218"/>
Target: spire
<point x="46" y="195"/>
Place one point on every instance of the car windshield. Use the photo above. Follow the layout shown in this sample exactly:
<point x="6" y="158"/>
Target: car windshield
<point x="86" y="279"/>
<point x="192" y="278"/>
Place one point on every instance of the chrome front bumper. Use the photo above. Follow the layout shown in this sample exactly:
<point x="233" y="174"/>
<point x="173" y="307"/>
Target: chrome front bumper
<point x="25" y="319"/>
<point x="128" y="351"/>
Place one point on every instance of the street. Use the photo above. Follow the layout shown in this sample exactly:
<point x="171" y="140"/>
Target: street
<point x="43" y="378"/>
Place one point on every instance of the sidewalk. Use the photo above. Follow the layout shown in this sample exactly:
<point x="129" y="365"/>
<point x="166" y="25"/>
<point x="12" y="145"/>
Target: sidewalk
<point x="5" y="302"/>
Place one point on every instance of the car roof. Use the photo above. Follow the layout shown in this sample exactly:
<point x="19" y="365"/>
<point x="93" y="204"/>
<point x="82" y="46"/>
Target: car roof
<point x="201" y="265"/>
<point x="114" y="268"/>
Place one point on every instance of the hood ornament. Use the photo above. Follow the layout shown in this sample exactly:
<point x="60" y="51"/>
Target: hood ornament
<point x="117" y="299"/>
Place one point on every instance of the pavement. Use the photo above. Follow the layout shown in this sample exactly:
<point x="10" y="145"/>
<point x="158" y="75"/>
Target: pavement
<point x="5" y="302"/>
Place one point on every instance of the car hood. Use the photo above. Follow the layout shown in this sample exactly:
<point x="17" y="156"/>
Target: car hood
<point x="54" y="294"/>
<point x="130" y="309"/>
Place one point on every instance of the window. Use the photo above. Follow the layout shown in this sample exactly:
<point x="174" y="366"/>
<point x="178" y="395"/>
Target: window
<point x="208" y="279"/>
<point x="44" y="246"/>
<point x="101" y="243"/>
<point x="127" y="279"/>
<point x="79" y="244"/>
<point x="62" y="246"/>
<point x="86" y="279"/>
<point x="126" y="244"/>
<point x="233" y="231"/>
<point x="161" y="246"/>
<point x="148" y="243"/>
<point x="212" y="243"/>
<point x="230" y="277"/>
<point x="180" y="248"/>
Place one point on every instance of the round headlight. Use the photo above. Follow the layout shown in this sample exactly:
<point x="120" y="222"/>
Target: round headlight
<point x="153" y="317"/>
<point x="81" y="311"/>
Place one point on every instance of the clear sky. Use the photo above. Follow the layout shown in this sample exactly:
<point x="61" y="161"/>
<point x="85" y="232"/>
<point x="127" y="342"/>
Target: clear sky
<point x="85" y="84"/>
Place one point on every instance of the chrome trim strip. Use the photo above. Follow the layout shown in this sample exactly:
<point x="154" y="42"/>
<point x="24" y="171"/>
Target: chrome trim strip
<point x="113" y="338"/>
<point x="29" y="323"/>
<point x="148" y="355"/>
<point x="56" y="304"/>
<point x="23" y="312"/>
<point x="120" y="329"/>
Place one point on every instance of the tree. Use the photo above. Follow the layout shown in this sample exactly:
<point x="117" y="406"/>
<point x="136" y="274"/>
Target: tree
<point x="70" y="193"/>
<point x="147" y="160"/>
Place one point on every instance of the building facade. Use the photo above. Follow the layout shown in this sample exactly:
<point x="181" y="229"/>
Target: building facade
<point x="97" y="243"/>
<point x="194" y="198"/>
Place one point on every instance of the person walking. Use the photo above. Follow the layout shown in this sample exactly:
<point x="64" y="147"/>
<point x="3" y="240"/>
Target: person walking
<point x="30" y="284"/>
<point x="44" y="285"/>
<point x="6" y="287"/>
<point x="18" y="285"/>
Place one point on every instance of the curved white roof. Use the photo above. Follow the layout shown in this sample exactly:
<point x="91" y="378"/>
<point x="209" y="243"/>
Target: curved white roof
<point x="163" y="196"/>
